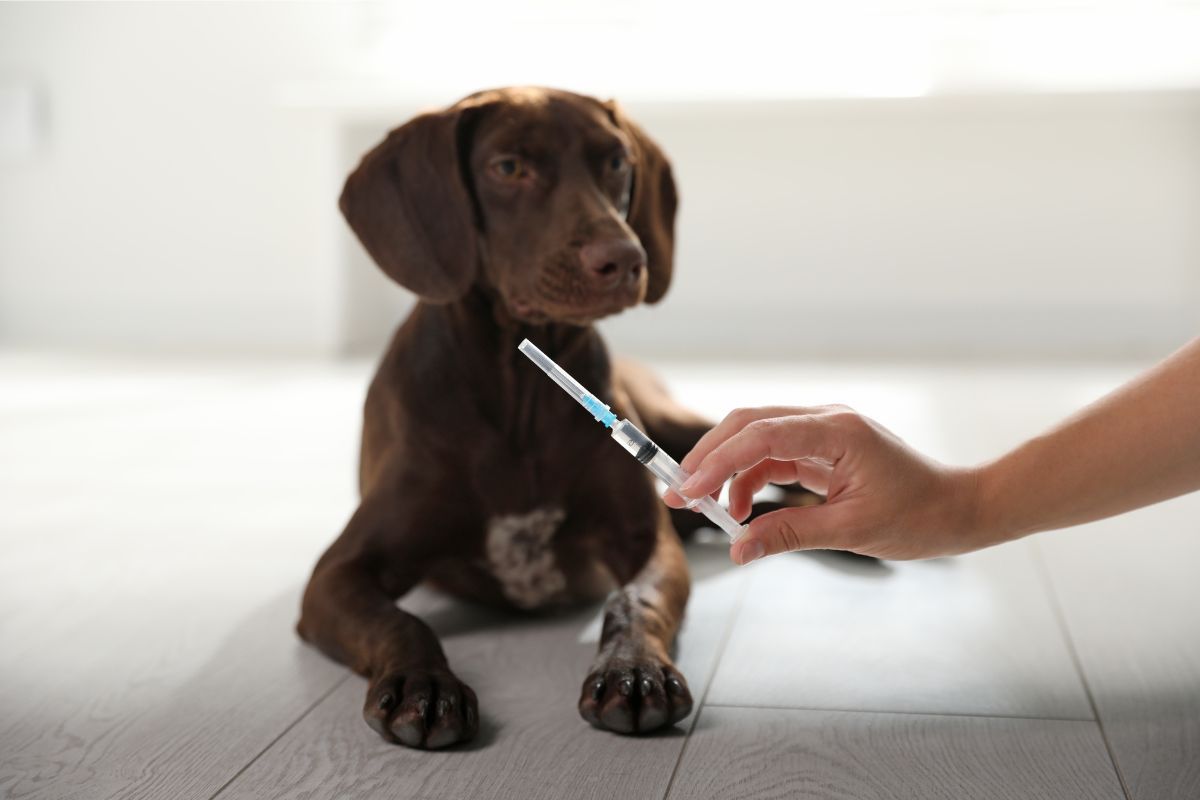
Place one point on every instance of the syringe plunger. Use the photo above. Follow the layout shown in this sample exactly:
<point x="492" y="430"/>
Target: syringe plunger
<point x="666" y="469"/>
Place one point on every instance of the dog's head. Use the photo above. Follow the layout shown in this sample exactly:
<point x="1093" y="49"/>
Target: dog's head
<point x="556" y="201"/>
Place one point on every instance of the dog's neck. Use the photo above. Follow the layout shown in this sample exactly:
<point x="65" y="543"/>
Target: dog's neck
<point x="483" y="307"/>
<point x="485" y="336"/>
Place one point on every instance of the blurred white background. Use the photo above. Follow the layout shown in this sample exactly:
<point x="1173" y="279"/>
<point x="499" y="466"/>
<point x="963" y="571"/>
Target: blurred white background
<point x="919" y="178"/>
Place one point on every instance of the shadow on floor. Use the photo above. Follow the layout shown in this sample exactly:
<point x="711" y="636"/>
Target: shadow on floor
<point x="846" y="563"/>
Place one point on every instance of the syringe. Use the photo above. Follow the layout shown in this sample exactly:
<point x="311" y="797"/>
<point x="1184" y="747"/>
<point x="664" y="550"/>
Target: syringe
<point x="637" y="443"/>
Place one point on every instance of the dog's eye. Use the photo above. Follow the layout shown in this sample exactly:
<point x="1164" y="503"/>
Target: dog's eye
<point x="509" y="168"/>
<point x="617" y="162"/>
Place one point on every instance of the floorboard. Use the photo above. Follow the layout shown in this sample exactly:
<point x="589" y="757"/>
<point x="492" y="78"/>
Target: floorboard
<point x="773" y="754"/>
<point x="1131" y="601"/>
<point x="155" y="533"/>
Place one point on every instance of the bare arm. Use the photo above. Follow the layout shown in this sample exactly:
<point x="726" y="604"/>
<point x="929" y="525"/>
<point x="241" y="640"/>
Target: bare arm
<point x="1136" y="446"/>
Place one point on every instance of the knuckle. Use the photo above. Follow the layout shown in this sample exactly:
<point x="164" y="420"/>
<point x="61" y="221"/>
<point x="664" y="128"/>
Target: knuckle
<point x="760" y="426"/>
<point x="761" y="437"/>
<point x="740" y="416"/>
<point x="834" y="409"/>
<point x="849" y="419"/>
<point x="787" y="534"/>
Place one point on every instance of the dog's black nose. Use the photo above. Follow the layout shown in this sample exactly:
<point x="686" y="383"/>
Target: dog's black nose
<point x="613" y="262"/>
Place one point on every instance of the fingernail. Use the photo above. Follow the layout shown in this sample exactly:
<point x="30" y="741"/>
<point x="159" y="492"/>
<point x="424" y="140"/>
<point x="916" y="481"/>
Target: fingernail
<point x="691" y="483"/>
<point x="752" y="552"/>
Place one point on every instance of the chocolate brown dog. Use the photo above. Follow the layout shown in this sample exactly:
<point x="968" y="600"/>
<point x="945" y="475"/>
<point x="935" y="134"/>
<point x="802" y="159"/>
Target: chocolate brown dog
<point x="514" y="213"/>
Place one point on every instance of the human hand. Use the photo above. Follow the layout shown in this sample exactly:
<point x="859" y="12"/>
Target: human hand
<point x="883" y="498"/>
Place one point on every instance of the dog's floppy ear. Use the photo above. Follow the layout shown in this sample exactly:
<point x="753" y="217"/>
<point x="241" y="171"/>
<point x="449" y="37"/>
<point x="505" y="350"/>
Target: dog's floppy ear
<point x="409" y="206"/>
<point x="652" y="205"/>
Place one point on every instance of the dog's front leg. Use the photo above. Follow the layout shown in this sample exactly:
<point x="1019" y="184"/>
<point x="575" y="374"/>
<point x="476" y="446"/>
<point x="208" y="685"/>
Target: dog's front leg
<point x="349" y="612"/>
<point x="633" y="687"/>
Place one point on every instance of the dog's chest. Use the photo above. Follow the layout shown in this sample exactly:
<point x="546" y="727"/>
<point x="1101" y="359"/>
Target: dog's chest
<point x="519" y="550"/>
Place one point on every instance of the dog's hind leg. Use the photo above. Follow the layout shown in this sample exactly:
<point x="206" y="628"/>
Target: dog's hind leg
<point x="674" y="427"/>
<point x="677" y="429"/>
<point x="349" y="612"/>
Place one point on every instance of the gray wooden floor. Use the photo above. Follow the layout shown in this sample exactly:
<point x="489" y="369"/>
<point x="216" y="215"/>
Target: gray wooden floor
<point x="157" y="524"/>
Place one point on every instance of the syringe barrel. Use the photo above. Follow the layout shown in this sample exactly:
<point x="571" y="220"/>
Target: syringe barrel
<point x="720" y="517"/>
<point x="665" y="468"/>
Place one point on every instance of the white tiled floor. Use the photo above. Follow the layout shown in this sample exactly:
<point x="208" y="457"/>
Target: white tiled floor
<point x="158" y="520"/>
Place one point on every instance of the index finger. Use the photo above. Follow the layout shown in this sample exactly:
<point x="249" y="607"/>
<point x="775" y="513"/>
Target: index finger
<point x="781" y="439"/>
<point x="734" y="421"/>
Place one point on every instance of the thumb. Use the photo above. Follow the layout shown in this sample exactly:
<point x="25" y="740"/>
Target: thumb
<point x="809" y="528"/>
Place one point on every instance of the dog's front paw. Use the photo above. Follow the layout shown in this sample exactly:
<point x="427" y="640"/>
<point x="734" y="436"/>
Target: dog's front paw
<point x="634" y="695"/>
<point x="427" y="709"/>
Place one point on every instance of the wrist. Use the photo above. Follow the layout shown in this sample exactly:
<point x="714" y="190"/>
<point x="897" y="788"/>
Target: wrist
<point x="990" y="521"/>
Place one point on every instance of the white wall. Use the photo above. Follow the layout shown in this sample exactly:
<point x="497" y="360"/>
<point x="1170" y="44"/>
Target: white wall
<point x="169" y="203"/>
<point x="182" y="196"/>
<point x="1003" y="225"/>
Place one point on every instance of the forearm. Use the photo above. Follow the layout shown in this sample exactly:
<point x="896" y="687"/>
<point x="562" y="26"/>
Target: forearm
<point x="1136" y="446"/>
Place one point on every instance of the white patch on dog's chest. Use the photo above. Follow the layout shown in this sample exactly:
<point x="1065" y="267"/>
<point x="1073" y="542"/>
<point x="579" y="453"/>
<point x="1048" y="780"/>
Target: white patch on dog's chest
<point x="521" y="556"/>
